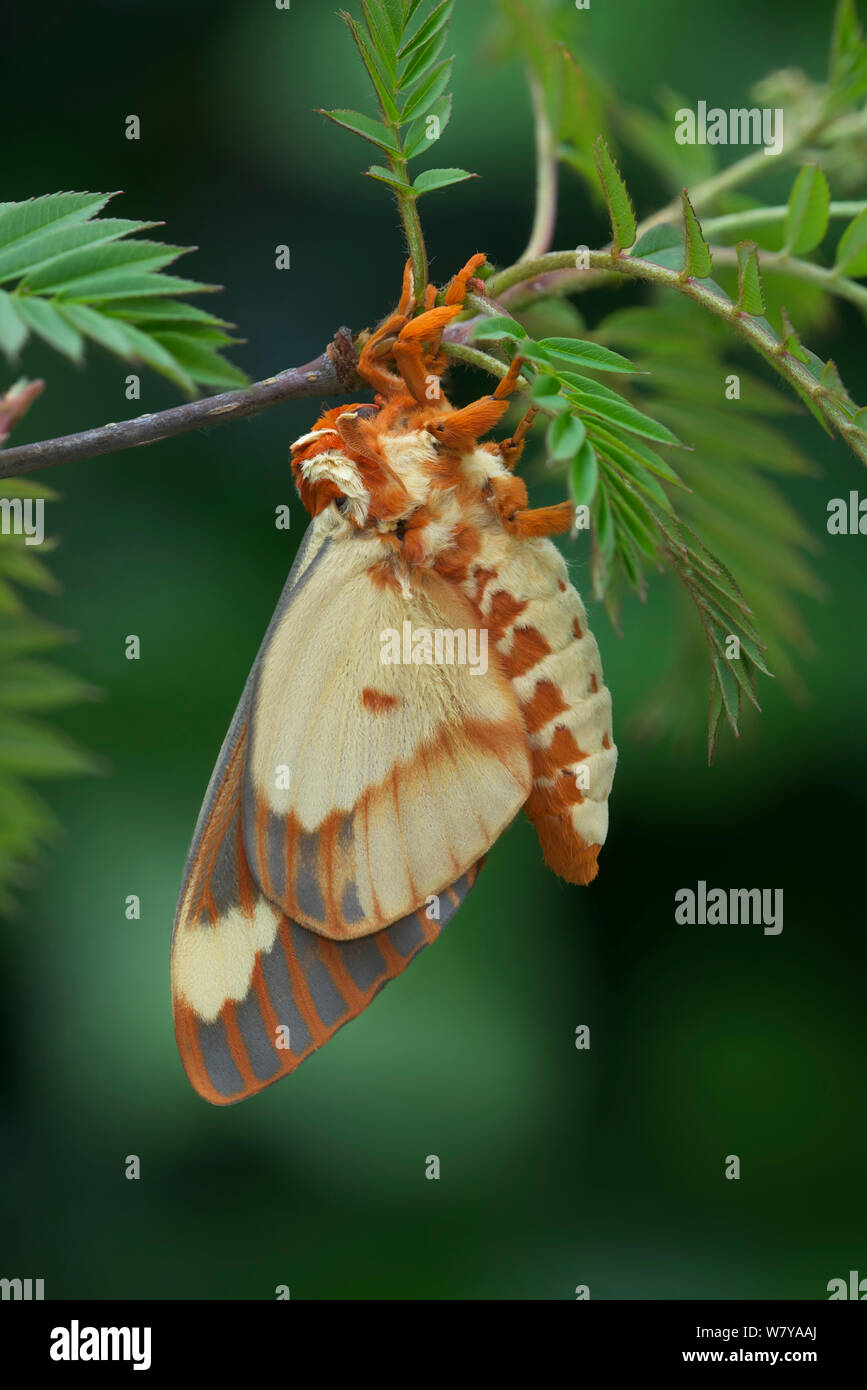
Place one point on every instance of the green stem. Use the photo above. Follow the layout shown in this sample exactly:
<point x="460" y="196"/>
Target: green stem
<point x="752" y="330"/>
<point x="547" y="167"/>
<point x="407" y="206"/>
<point x="813" y="274"/>
<point x="474" y="357"/>
<point x="737" y="222"/>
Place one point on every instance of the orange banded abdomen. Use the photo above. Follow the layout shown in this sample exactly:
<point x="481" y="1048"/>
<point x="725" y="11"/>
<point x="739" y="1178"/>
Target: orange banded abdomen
<point x="538" y="625"/>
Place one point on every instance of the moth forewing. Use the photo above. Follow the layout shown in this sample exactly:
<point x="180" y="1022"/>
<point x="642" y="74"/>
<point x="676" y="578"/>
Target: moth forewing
<point x="370" y="785"/>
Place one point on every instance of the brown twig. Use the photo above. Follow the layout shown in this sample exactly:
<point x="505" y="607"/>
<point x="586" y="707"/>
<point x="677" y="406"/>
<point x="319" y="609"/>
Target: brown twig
<point x="330" y="374"/>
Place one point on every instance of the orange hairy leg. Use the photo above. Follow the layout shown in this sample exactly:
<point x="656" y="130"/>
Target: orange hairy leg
<point x="457" y="290"/>
<point x="416" y="349"/>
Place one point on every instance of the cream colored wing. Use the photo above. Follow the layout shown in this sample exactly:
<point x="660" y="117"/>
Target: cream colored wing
<point x="372" y="783"/>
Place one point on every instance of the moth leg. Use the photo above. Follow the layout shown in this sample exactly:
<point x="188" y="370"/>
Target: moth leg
<point x="378" y="346"/>
<point x="416" y="350"/>
<point x="509" y="498"/>
<point x="544" y="521"/>
<point x="457" y="290"/>
<point x="510" y="380"/>
<point x="407" y="294"/>
<point x="512" y="449"/>
<point x="460" y="429"/>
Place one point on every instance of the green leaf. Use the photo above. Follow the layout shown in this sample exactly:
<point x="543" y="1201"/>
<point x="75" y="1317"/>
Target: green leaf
<point x="586" y="354"/>
<point x="37" y="686"/>
<point x="422" y="60"/>
<point x="46" y="244"/>
<point x="832" y="381"/>
<point x="18" y="220"/>
<point x="141" y="346"/>
<point x="381" y="35"/>
<point x="716" y="714"/>
<point x="393" y="10"/>
<point x="174" y="310"/>
<point x="632" y="514"/>
<point x="625" y="462"/>
<point x="498" y="326"/>
<point x="532" y="352"/>
<point x="427" y="92"/>
<point x="440" y="178"/>
<point x="50" y="325"/>
<point x="847" y="67"/>
<point x="659" y="238"/>
<point x="566" y="435"/>
<point x="417" y="141"/>
<point x="808" y="211"/>
<point x="729" y="691"/>
<point x="620" y="209"/>
<point x="584" y="475"/>
<point x="790" y="342"/>
<point x="751" y="299"/>
<point x="604" y="522"/>
<point x="368" y="129"/>
<point x="35" y="751"/>
<point x="642" y="454"/>
<point x="61" y="275"/>
<point x="67" y="264"/>
<point x="109" y="333"/>
<point x="13" y="330"/>
<point x="851" y="256"/>
<point x="376" y="171"/>
<point x="698" y="262"/>
<point x="546" y="390"/>
<point x="129" y="284"/>
<point x="369" y="58"/>
<point x="202" y="362"/>
<point x="433" y="25"/>
<point x="598" y="400"/>
<point x="19" y="564"/>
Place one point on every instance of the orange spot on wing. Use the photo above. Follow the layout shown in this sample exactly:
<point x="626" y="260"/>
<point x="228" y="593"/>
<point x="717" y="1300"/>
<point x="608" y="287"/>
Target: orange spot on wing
<point x="378" y="702"/>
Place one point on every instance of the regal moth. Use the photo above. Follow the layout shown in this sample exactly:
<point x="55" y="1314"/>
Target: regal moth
<point x="363" y="780"/>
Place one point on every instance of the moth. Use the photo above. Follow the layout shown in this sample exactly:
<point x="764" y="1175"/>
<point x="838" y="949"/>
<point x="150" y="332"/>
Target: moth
<point x="371" y="764"/>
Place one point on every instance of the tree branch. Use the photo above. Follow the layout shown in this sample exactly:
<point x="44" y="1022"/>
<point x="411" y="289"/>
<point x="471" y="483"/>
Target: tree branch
<point x="751" y="329"/>
<point x="330" y="374"/>
<point x="829" y="280"/>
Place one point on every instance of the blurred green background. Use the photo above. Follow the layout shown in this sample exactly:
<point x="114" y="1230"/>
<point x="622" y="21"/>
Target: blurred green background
<point x="559" y="1167"/>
